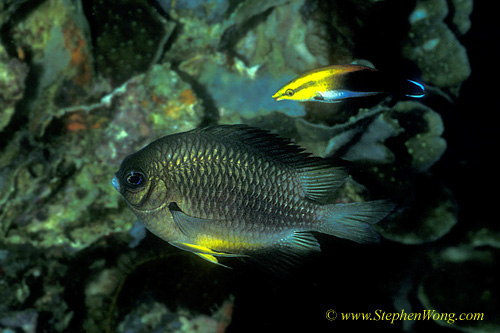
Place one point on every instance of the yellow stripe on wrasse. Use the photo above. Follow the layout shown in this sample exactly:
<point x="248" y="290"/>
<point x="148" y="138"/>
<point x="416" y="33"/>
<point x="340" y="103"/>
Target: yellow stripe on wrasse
<point x="316" y="83"/>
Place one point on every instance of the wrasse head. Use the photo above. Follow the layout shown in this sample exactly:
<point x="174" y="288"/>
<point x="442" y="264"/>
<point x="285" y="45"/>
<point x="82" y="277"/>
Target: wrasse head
<point x="291" y="91"/>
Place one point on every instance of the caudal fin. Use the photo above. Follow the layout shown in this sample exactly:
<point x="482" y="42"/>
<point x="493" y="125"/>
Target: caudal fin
<point x="414" y="89"/>
<point x="353" y="221"/>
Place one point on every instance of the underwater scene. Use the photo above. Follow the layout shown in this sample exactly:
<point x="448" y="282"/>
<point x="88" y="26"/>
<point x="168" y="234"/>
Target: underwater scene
<point x="247" y="166"/>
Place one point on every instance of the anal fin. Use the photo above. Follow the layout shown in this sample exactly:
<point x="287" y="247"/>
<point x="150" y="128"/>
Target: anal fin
<point x="287" y="253"/>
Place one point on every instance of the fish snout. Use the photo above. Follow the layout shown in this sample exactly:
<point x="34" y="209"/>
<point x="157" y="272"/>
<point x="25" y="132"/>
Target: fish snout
<point x="279" y="97"/>
<point x="115" y="183"/>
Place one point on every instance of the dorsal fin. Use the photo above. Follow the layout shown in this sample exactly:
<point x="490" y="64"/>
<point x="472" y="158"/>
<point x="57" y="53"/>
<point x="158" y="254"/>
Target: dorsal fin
<point x="258" y="141"/>
<point x="319" y="178"/>
<point x="320" y="183"/>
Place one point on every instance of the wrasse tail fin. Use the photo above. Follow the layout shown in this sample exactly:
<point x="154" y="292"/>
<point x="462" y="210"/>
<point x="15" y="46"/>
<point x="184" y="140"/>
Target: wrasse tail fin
<point x="366" y="83"/>
<point x="353" y="221"/>
<point x="415" y="89"/>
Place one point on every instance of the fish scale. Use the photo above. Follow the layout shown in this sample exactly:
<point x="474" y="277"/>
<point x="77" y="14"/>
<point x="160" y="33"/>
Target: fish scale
<point x="235" y="190"/>
<point x="227" y="180"/>
<point x="266" y="208"/>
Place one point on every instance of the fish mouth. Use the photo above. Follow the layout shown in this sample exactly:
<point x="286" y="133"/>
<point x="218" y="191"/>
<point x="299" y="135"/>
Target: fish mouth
<point x="115" y="183"/>
<point x="277" y="98"/>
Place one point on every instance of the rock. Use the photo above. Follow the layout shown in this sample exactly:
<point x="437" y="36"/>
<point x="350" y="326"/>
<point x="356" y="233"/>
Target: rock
<point x="129" y="36"/>
<point x="461" y="289"/>
<point x="434" y="48"/>
<point x="13" y="72"/>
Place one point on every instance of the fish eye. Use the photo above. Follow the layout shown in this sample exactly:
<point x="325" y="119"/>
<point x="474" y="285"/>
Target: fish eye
<point x="135" y="179"/>
<point x="289" y="92"/>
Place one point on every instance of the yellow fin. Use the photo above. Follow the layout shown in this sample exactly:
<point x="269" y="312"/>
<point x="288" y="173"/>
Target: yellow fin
<point x="204" y="252"/>
<point x="201" y="249"/>
<point x="210" y="258"/>
<point x="195" y="248"/>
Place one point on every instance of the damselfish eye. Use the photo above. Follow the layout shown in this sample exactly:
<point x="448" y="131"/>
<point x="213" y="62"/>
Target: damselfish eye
<point x="289" y="92"/>
<point x="135" y="178"/>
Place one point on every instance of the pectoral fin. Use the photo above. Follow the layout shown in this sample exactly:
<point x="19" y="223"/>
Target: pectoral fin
<point x="318" y="97"/>
<point x="192" y="227"/>
<point x="188" y="225"/>
<point x="327" y="97"/>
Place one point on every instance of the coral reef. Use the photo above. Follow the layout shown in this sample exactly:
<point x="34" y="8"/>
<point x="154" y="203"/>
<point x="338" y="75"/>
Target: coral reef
<point x="13" y="72"/>
<point x="434" y="47"/>
<point x="128" y="36"/>
<point x="85" y="83"/>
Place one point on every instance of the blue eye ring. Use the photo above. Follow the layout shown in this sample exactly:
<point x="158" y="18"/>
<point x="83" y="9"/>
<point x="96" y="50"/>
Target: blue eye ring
<point x="135" y="179"/>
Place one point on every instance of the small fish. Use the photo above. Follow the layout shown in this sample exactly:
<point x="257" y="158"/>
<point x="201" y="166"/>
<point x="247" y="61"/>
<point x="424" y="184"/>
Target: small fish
<point x="235" y="190"/>
<point x="334" y="83"/>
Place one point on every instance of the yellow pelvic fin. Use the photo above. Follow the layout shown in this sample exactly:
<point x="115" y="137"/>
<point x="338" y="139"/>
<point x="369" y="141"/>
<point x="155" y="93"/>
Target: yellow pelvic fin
<point x="210" y="258"/>
<point x="204" y="252"/>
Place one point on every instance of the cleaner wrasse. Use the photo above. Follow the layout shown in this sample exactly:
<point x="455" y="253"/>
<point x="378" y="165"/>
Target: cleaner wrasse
<point x="334" y="83"/>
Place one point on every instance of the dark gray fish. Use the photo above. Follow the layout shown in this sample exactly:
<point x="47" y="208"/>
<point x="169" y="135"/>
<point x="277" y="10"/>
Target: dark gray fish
<point x="234" y="190"/>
